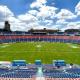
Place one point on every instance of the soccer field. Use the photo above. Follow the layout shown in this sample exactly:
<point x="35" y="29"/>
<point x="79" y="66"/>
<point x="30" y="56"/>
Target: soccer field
<point x="46" y="51"/>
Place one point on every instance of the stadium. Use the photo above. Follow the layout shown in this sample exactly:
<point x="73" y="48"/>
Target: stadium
<point x="39" y="39"/>
<point x="39" y="54"/>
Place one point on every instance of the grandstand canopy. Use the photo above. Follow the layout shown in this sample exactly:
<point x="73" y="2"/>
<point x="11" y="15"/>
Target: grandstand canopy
<point x="43" y="30"/>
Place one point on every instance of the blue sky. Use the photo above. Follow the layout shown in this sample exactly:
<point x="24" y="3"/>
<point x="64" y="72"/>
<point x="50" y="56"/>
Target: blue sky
<point x="41" y="13"/>
<point x="21" y="6"/>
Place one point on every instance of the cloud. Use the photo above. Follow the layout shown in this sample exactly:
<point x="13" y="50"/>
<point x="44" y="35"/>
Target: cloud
<point x="62" y="18"/>
<point x="65" y="14"/>
<point x="1" y="25"/>
<point x="40" y="16"/>
<point x="47" y="11"/>
<point x="5" y="13"/>
<point x="43" y="9"/>
<point x="77" y="9"/>
<point x="33" y="12"/>
<point x="61" y="21"/>
<point x="72" y="25"/>
<point x="44" y="13"/>
<point x="42" y="1"/>
<point x="38" y="3"/>
<point x="28" y="18"/>
<point x="22" y="22"/>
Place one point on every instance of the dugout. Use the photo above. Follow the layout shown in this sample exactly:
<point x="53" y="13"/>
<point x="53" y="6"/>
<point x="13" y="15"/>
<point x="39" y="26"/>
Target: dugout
<point x="59" y="63"/>
<point x="38" y="62"/>
<point x="18" y="63"/>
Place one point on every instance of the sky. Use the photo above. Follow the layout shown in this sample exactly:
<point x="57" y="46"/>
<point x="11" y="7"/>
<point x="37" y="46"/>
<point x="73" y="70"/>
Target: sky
<point x="38" y="14"/>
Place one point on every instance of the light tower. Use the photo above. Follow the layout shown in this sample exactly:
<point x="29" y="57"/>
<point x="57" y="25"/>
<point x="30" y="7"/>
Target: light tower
<point x="6" y="23"/>
<point x="6" y="26"/>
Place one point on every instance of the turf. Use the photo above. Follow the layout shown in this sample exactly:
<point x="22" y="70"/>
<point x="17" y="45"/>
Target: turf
<point x="46" y="51"/>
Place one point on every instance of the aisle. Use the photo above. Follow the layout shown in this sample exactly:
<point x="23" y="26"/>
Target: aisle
<point x="39" y="75"/>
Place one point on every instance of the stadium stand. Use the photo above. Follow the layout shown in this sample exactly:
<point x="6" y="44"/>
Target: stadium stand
<point x="48" y="38"/>
<point x="28" y="73"/>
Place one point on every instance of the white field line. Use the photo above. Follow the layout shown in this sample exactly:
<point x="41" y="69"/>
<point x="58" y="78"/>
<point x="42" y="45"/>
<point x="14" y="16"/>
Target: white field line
<point x="72" y="45"/>
<point x="4" y="46"/>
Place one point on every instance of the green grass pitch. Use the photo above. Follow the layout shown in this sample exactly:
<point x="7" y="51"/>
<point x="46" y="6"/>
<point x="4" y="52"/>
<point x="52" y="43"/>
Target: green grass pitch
<point x="46" y="51"/>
